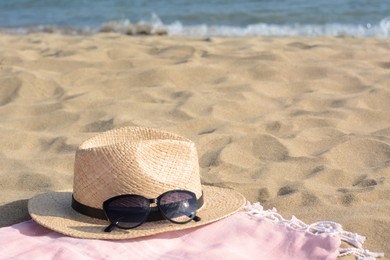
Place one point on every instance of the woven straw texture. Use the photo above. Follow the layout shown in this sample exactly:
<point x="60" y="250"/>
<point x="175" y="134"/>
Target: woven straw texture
<point x="132" y="160"/>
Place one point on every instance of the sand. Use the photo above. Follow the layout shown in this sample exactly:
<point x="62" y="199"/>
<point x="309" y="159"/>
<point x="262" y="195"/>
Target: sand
<point x="299" y="124"/>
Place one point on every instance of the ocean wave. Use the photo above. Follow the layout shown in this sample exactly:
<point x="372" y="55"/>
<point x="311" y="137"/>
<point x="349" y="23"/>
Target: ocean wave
<point x="155" y="26"/>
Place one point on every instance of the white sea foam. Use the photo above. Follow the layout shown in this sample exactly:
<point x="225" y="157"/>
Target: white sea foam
<point x="380" y="30"/>
<point x="177" y="28"/>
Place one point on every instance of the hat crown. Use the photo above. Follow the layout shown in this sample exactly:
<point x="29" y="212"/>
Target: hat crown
<point x="134" y="160"/>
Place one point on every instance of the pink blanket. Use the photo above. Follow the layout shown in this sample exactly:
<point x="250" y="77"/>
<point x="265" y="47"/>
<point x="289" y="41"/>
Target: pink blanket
<point x="253" y="234"/>
<point x="241" y="236"/>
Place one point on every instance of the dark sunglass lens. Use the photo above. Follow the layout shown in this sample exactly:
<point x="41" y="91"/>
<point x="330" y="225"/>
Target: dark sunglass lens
<point x="128" y="211"/>
<point x="178" y="206"/>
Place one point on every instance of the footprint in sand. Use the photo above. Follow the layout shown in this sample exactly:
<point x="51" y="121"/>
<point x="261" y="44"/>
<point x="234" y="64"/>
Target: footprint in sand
<point x="100" y="126"/>
<point x="249" y="151"/>
<point x="366" y="153"/>
<point x="363" y="184"/>
<point x="57" y="145"/>
<point x="214" y="147"/>
<point x="10" y="87"/>
<point x="178" y="53"/>
<point x="364" y="181"/>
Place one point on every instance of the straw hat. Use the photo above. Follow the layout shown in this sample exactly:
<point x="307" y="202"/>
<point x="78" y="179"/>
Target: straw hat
<point x="130" y="160"/>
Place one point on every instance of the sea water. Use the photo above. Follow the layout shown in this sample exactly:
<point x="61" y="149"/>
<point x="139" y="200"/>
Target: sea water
<point x="366" y="18"/>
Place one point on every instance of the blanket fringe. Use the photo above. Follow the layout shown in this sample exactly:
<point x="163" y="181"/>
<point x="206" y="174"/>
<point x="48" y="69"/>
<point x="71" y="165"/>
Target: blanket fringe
<point x="321" y="227"/>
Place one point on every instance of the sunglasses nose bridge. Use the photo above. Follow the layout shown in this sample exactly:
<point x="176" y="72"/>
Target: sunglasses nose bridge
<point x="154" y="201"/>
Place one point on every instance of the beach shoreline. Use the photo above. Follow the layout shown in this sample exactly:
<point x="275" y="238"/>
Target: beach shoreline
<point x="301" y="124"/>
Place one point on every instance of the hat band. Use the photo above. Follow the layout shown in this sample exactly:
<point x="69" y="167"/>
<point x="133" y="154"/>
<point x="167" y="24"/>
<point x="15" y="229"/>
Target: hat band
<point x="154" y="215"/>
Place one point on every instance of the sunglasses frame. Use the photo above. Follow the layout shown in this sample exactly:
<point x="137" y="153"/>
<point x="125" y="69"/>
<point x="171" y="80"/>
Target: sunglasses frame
<point x="156" y="210"/>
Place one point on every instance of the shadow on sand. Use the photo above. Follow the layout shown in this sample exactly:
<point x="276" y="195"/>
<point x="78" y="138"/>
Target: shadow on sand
<point x="14" y="212"/>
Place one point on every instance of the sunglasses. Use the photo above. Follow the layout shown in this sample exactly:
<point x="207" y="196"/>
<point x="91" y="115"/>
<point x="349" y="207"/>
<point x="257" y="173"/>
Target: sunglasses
<point x="131" y="211"/>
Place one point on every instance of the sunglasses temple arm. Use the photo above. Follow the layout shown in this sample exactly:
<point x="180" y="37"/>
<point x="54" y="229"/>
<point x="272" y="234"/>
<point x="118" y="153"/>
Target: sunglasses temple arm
<point x="109" y="228"/>
<point x="195" y="218"/>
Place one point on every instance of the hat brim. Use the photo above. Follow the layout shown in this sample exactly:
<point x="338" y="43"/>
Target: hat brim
<point x="53" y="210"/>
